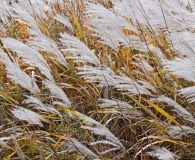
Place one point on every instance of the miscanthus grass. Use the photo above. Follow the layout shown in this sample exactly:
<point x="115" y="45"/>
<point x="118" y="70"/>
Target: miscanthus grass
<point x="97" y="79"/>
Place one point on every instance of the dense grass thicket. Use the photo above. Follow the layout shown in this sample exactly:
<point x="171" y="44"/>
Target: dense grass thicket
<point x="97" y="79"/>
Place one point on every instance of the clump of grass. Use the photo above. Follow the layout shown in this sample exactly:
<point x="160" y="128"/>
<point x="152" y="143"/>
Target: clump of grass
<point x="99" y="79"/>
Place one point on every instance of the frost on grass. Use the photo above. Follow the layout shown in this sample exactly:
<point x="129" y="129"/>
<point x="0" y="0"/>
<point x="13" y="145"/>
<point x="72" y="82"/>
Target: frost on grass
<point x="38" y="104"/>
<point x="133" y="10"/>
<point x="177" y="108"/>
<point x="147" y="69"/>
<point x="64" y="20"/>
<point x="119" y="107"/>
<point x="24" y="17"/>
<point x="156" y="15"/>
<point x="46" y="44"/>
<point x="182" y="67"/>
<point x="99" y="129"/>
<point x="189" y="93"/>
<point x="183" y="43"/>
<point x="27" y="115"/>
<point x="35" y="8"/>
<point x="57" y="92"/>
<point x="15" y="73"/>
<point x="106" y="142"/>
<point x="162" y="153"/>
<point x="107" y="103"/>
<point x="130" y="86"/>
<point x="158" y="30"/>
<point x="80" y="52"/>
<point x="104" y="76"/>
<point x="31" y="56"/>
<point x="5" y="14"/>
<point x="106" y="28"/>
<point x="177" y="132"/>
<point x="74" y="145"/>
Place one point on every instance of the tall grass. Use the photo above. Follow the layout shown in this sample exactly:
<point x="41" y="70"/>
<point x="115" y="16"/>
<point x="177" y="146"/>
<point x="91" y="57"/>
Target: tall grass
<point x="97" y="79"/>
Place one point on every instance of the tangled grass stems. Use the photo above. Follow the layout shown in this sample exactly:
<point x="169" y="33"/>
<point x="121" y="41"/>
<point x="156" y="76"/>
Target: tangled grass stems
<point x="97" y="79"/>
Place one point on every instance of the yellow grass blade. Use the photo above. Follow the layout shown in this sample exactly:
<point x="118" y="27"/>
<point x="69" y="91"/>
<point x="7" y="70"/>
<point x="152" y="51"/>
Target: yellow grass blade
<point x="160" y="110"/>
<point x="8" y="98"/>
<point x="76" y="22"/>
<point x="144" y="108"/>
